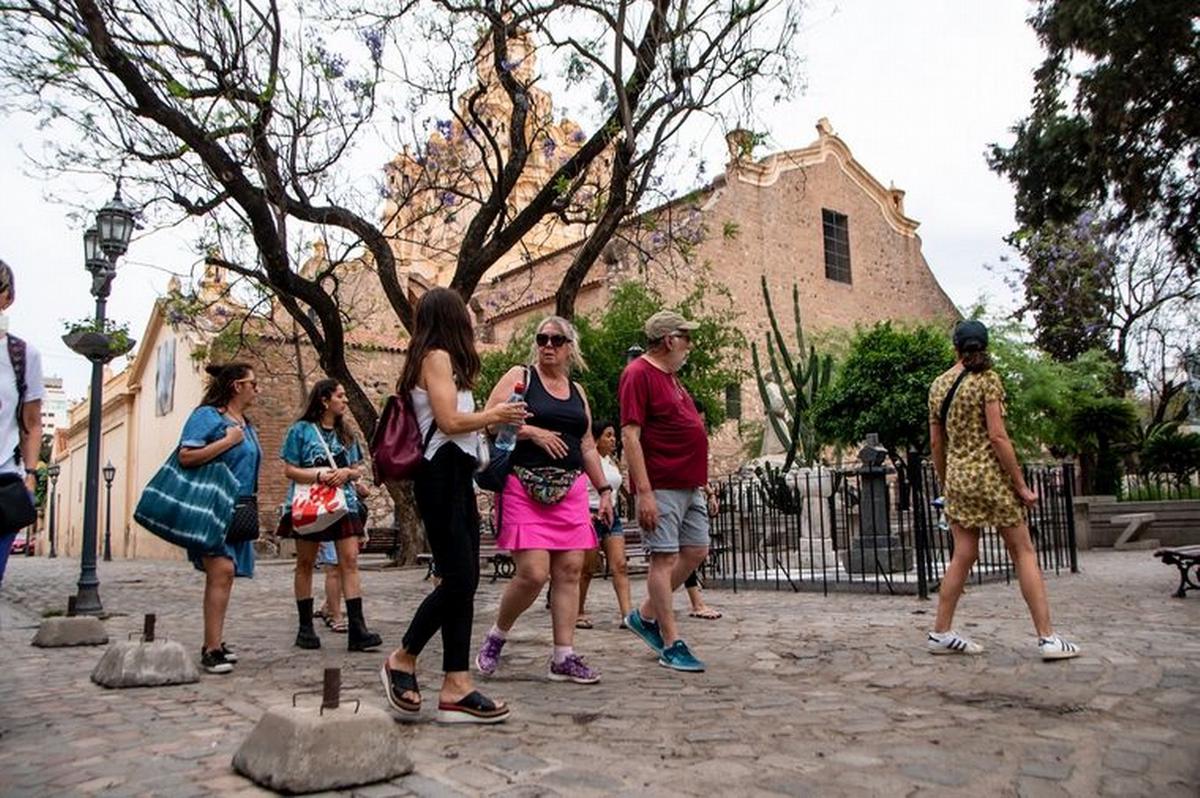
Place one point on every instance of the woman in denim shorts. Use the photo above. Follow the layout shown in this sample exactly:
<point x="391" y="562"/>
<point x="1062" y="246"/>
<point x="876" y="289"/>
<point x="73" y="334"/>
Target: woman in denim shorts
<point x="612" y="538"/>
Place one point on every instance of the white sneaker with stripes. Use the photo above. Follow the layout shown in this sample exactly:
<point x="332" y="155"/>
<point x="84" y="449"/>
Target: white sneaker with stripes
<point x="1054" y="647"/>
<point x="951" y="643"/>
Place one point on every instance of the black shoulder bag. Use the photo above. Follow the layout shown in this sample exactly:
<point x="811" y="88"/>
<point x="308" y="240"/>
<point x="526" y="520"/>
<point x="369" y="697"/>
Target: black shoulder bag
<point x="243" y="526"/>
<point x="945" y="408"/>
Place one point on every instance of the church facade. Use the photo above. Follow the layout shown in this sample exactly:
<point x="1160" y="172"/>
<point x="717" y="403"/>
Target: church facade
<point x="813" y="217"/>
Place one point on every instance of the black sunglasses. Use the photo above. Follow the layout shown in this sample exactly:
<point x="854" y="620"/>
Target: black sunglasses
<point x="553" y="340"/>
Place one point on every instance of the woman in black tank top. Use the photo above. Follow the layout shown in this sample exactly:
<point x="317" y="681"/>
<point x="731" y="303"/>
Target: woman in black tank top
<point x="568" y="418"/>
<point x="544" y="518"/>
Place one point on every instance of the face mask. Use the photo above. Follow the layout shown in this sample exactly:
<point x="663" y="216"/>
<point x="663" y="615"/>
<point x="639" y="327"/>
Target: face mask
<point x="3" y="323"/>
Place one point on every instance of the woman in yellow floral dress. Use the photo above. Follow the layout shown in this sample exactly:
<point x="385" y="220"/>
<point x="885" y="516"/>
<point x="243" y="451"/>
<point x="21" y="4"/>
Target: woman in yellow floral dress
<point x="984" y="486"/>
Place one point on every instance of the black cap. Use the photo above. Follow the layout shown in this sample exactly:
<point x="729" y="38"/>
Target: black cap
<point x="970" y="336"/>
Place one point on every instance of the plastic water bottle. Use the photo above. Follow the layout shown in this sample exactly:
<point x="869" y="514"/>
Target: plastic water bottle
<point x="506" y="438"/>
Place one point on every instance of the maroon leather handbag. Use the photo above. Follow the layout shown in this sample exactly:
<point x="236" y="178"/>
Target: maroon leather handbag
<point x="396" y="447"/>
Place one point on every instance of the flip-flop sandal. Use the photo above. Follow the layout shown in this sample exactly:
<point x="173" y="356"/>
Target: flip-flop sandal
<point x="395" y="685"/>
<point x="708" y="614"/>
<point x="340" y="626"/>
<point x="474" y="707"/>
<point x="583" y="623"/>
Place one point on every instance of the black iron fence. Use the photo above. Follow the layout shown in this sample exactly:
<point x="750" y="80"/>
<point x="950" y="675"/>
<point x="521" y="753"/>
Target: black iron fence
<point x="1157" y="487"/>
<point x="875" y="530"/>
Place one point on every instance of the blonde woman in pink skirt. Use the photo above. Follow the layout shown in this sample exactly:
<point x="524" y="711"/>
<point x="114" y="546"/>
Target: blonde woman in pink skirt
<point x="544" y="518"/>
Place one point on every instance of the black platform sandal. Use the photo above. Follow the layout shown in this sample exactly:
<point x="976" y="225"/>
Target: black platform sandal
<point x="395" y="685"/>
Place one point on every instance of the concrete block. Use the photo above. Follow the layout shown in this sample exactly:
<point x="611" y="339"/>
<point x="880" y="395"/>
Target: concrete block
<point x="877" y="554"/>
<point x="138" y="664"/>
<point x="80" y="630"/>
<point x="301" y="750"/>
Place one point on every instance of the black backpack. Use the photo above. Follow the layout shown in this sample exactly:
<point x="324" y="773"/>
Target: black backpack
<point x="16" y="355"/>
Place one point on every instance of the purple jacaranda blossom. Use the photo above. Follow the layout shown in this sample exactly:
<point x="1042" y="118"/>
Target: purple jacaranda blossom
<point x="373" y="38"/>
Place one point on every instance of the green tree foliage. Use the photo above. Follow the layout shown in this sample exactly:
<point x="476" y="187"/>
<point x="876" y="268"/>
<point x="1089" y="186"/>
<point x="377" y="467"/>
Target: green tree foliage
<point x="606" y="337"/>
<point x="883" y="387"/>
<point x="1169" y="451"/>
<point x="1102" y="426"/>
<point x="1040" y="391"/>
<point x="1115" y="118"/>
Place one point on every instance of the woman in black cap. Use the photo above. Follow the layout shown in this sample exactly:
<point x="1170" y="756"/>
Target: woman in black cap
<point x="984" y="486"/>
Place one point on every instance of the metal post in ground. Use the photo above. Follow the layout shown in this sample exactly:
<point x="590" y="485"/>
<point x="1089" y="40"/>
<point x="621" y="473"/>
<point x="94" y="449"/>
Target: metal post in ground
<point x="52" y="472"/>
<point x="1068" y="475"/>
<point x="920" y="521"/>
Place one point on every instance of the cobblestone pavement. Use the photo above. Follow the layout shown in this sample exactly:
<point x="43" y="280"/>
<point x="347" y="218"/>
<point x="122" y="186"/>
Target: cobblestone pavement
<point x="805" y="695"/>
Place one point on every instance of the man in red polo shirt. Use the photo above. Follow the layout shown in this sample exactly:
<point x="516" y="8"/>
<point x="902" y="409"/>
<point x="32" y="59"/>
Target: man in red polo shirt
<point x="666" y="448"/>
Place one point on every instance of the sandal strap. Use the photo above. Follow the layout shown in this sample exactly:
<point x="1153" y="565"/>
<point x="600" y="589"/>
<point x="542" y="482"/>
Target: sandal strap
<point x="403" y="681"/>
<point x="473" y="701"/>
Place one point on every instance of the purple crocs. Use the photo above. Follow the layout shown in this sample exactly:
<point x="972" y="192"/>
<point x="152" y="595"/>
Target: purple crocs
<point x="573" y="669"/>
<point x="488" y="658"/>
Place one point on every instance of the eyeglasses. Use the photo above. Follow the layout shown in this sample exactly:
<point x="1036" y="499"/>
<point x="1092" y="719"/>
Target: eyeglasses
<point x="551" y="340"/>
<point x="253" y="382"/>
<point x="684" y="335"/>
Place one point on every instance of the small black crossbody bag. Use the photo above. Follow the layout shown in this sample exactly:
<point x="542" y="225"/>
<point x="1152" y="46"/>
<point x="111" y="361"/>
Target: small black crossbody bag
<point x="945" y="408"/>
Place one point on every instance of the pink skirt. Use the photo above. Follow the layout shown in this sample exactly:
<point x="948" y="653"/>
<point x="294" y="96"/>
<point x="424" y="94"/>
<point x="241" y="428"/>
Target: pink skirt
<point x="528" y="524"/>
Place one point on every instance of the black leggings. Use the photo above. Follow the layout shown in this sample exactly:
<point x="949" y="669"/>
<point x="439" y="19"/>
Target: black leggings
<point x="446" y="501"/>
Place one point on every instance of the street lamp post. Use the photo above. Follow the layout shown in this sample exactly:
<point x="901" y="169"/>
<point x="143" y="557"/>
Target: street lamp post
<point x="110" y="472"/>
<point x="102" y="245"/>
<point x="52" y="472"/>
<point x="633" y="353"/>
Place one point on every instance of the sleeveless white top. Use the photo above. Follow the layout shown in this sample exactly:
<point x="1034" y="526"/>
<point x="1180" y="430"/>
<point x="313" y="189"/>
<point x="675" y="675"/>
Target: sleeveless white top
<point x="467" y="441"/>
<point x="612" y="475"/>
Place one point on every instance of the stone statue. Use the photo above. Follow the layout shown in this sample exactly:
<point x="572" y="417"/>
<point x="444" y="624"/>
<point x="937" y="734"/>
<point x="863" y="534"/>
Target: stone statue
<point x="775" y="409"/>
<point x="1191" y="365"/>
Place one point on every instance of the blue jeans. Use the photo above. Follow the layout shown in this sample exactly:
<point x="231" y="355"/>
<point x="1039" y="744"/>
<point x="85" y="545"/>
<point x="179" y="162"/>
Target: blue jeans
<point x="6" y="542"/>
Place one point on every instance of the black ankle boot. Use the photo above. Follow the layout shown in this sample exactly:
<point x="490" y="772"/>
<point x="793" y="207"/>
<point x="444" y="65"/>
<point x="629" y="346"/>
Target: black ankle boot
<point x="306" y="636"/>
<point x="361" y="638"/>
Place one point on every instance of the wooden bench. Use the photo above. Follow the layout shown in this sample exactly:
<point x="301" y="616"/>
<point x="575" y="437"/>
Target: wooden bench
<point x="1187" y="560"/>
<point x="636" y="550"/>
<point x="383" y="540"/>
<point x="500" y="560"/>
<point x="1135" y="525"/>
<point x="633" y="550"/>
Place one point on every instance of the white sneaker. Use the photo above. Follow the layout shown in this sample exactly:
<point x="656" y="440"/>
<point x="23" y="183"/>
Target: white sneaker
<point x="951" y="643"/>
<point x="1054" y="647"/>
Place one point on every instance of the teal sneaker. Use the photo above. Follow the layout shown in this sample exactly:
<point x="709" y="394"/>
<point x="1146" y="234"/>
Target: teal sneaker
<point x="679" y="658"/>
<point x="647" y="630"/>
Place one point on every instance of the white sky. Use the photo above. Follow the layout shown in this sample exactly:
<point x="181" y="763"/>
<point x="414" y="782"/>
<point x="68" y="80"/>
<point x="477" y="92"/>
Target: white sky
<point x="916" y="89"/>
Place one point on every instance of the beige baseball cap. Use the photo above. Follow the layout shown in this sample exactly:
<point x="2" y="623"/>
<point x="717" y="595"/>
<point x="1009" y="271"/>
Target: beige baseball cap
<point x="665" y="322"/>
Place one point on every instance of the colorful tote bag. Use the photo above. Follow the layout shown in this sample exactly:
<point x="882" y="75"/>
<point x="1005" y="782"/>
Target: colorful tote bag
<point x="190" y="507"/>
<point x="316" y="507"/>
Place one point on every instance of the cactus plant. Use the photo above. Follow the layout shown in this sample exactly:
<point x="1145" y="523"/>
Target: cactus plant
<point x="801" y="377"/>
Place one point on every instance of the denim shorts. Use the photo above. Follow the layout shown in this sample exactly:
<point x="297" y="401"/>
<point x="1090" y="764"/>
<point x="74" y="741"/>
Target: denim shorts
<point x="682" y="521"/>
<point x="603" y="530"/>
<point x="327" y="553"/>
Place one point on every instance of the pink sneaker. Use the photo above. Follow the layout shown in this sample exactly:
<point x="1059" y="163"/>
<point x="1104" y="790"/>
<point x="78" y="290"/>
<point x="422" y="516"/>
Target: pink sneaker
<point x="573" y="669"/>
<point x="488" y="658"/>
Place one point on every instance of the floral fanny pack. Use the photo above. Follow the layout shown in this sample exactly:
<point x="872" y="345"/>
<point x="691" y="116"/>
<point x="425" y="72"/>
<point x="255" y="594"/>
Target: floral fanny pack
<point x="546" y="484"/>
